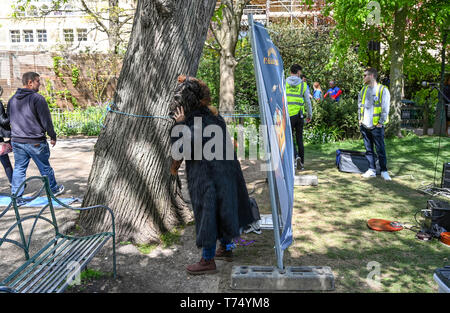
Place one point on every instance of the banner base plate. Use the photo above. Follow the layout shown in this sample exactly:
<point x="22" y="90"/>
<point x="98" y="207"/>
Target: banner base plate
<point x="304" y="278"/>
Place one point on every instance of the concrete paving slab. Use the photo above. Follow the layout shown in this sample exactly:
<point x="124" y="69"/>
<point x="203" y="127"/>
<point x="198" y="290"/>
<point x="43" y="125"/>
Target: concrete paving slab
<point x="301" y="278"/>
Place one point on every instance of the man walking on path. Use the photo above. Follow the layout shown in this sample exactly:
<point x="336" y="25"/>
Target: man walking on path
<point x="373" y="113"/>
<point x="30" y="121"/>
<point x="297" y="93"/>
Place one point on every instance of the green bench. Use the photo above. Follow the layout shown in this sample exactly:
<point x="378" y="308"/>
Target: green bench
<point x="59" y="263"/>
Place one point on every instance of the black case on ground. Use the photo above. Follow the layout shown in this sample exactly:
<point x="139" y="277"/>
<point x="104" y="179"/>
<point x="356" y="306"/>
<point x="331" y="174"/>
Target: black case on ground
<point x="350" y="161"/>
<point x="444" y="275"/>
<point x="445" y="182"/>
<point x="440" y="213"/>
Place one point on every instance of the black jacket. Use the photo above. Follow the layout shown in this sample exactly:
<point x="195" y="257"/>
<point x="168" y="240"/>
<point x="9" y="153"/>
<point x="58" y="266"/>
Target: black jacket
<point x="217" y="188"/>
<point x="30" y="117"/>
<point x="5" y="129"/>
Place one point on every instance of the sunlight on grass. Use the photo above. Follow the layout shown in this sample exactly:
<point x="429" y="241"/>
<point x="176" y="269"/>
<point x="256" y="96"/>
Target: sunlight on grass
<point x="330" y="220"/>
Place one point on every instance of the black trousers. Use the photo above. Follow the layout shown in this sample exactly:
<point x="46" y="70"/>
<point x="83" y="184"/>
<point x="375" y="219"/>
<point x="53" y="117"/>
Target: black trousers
<point x="374" y="137"/>
<point x="297" y="123"/>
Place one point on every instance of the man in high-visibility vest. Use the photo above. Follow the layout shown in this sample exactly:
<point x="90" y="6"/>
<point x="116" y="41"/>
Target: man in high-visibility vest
<point x="297" y="95"/>
<point x="373" y="113"/>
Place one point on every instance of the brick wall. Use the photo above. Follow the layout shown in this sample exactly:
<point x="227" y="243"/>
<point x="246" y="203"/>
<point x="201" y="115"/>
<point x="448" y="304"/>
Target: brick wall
<point x="13" y="64"/>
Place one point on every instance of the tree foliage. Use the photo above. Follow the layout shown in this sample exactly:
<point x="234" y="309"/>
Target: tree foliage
<point x="410" y="33"/>
<point x="423" y="38"/>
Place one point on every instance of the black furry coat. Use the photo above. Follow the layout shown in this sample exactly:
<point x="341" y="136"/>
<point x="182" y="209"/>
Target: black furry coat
<point x="217" y="188"/>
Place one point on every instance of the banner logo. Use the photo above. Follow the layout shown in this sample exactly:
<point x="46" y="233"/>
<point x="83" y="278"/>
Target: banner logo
<point x="271" y="60"/>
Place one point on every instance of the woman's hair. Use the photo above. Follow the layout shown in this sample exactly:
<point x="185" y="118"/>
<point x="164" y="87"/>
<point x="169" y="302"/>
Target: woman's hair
<point x="316" y="85"/>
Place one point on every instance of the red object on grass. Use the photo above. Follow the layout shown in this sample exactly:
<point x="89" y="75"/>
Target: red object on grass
<point x="445" y="238"/>
<point x="382" y="225"/>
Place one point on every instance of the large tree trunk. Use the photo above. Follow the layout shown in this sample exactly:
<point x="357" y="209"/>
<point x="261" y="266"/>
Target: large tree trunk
<point x="396" y="73"/>
<point x="130" y="173"/>
<point x="226" y="92"/>
<point x="227" y="34"/>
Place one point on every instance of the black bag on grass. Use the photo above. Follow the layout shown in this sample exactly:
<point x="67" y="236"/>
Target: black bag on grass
<point x="350" y="161"/>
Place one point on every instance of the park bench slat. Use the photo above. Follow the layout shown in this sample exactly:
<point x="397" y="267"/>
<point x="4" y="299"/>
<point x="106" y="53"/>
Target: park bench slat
<point x="82" y="260"/>
<point x="49" y="263"/>
<point x="51" y="269"/>
<point x="34" y="261"/>
<point x="59" y="270"/>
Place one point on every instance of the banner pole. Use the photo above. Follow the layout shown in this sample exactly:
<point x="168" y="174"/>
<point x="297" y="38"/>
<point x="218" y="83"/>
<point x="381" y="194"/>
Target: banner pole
<point x="270" y="173"/>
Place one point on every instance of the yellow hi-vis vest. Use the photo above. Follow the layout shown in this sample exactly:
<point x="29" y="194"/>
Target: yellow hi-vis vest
<point x="377" y="104"/>
<point x="294" y="97"/>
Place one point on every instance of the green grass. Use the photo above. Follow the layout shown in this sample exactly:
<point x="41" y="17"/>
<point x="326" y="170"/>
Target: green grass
<point x="87" y="276"/>
<point x="146" y="248"/>
<point x="167" y="239"/>
<point x="330" y="220"/>
<point x="171" y="238"/>
<point x="91" y="274"/>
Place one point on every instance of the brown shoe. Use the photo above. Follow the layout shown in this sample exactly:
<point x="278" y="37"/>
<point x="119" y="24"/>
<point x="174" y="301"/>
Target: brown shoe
<point x="202" y="267"/>
<point x="223" y="254"/>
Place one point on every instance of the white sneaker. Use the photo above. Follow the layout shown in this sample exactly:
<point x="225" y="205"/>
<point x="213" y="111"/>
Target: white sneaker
<point x="369" y="173"/>
<point x="385" y="176"/>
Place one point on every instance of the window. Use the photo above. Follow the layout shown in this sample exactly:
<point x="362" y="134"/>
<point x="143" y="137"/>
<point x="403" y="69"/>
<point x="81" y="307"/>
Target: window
<point x="15" y="35"/>
<point x="68" y="35"/>
<point x="42" y="35"/>
<point x="82" y="34"/>
<point x="28" y="36"/>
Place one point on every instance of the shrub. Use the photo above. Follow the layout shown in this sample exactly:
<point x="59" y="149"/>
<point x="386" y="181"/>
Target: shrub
<point x="336" y="119"/>
<point x="78" y="122"/>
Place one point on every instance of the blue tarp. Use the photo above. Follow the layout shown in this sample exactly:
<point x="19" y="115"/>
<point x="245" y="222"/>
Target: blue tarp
<point x="38" y="202"/>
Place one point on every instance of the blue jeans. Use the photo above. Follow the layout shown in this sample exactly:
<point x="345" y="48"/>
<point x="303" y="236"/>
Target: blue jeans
<point x="7" y="166"/>
<point x="375" y="137"/>
<point x="210" y="252"/>
<point x="23" y="152"/>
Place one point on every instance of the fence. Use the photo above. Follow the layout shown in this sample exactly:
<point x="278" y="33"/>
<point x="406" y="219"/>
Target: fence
<point x="78" y="122"/>
<point x="411" y="115"/>
<point x="90" y="121"/>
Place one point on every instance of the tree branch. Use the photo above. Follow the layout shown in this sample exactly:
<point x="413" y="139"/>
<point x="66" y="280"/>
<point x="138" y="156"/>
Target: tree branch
<point x="210" y="46"/>
<point x="215" y="36"/>
<point x="96" y="18"/>
<point x="125" y="21"/>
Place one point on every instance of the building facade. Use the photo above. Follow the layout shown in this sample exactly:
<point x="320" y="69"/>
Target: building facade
<point x="41" y="28"/>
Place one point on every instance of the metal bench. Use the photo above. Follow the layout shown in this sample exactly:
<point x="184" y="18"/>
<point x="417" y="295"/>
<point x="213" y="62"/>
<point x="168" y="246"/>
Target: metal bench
<point x="59" y="263"/>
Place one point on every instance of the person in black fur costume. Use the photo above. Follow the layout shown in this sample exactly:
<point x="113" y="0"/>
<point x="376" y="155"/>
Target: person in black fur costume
<point x="216" y="185"/>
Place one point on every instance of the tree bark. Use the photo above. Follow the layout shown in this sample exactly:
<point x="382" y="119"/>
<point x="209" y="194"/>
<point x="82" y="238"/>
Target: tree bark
<point x="130" y="173"/>
<point x="396" y="72"/>
<point x="227" y="34"/>
<point x="114" y="26"/>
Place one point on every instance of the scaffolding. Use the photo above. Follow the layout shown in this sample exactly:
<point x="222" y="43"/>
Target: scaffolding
<point x="266" y="11"/>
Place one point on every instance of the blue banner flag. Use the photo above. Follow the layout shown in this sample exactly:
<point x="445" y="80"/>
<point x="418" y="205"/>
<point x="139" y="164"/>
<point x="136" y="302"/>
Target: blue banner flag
<point x="272" y="96"/>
